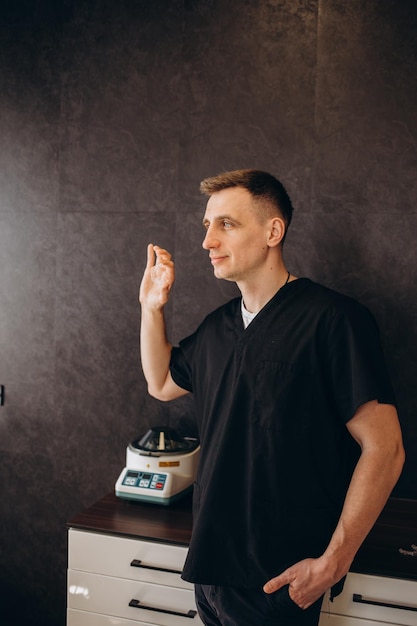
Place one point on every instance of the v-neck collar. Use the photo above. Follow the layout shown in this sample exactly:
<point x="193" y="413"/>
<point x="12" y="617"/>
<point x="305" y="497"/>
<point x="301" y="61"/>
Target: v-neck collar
<point x="280" y="294"/>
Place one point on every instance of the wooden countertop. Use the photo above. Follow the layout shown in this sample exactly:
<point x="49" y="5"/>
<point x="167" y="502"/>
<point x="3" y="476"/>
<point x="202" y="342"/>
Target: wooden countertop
<point x="380" y="554"/>
<point x="140" y="520"/>
<point x="395" y="530"/>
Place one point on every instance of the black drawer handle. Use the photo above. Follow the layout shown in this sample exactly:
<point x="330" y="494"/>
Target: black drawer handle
<point x="137" y="563"/>
<point x="137" y="605"/>
<point x="357" y="597"/>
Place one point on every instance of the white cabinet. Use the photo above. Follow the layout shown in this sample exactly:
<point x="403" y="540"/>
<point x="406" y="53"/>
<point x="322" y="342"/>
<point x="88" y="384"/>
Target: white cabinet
<point x="81" y="618"/>
<point x="372" y="601"/>
<point x="120" y="581"/>
<point x="116" y="581"/>
<point x="125" y="561"/>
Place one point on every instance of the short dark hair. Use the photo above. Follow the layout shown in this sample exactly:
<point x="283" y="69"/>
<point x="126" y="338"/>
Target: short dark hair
<point x="264" y="187"/>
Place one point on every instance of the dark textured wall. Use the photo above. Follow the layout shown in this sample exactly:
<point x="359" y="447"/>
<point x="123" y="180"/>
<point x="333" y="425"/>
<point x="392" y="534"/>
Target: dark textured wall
<point x="110" y="114"/>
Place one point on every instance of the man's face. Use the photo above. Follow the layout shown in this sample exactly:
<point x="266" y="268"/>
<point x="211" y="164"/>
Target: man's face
<point x="235" y="238"/>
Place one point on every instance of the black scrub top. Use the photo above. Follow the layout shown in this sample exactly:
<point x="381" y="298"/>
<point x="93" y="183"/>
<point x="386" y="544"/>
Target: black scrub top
<point x="272" y="402"/>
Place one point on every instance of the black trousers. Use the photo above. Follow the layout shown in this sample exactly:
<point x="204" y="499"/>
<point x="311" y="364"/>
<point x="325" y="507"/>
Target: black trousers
<point x="234" y="606"/>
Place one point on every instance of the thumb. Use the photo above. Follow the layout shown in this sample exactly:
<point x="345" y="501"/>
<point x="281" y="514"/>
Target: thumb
<point x="150" y="261"/>
<point x="276" y="583"/>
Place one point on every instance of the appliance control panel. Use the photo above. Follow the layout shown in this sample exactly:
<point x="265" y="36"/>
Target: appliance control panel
<point x="144" y="480"/>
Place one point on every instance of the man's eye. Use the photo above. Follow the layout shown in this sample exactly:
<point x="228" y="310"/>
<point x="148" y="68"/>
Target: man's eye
<point x="227" y="224"/>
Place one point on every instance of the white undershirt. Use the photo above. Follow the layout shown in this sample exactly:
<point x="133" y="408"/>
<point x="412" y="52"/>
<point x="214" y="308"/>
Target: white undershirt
<point x="247" y="316"/>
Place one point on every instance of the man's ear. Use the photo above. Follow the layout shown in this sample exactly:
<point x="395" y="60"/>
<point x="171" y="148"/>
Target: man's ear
<point x="276" y="231"/>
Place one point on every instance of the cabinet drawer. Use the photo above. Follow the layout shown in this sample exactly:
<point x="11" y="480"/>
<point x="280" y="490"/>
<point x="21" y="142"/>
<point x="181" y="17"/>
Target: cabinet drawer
<point x="367" y="597"/>
<point x="82" y="618"/>
<point x="168" y="606"/>
<point x="327" y="619"/>
<point x="127" y="558"/>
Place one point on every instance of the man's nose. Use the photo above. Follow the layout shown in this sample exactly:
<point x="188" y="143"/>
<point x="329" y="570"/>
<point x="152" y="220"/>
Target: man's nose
<point x="210" y="241"/>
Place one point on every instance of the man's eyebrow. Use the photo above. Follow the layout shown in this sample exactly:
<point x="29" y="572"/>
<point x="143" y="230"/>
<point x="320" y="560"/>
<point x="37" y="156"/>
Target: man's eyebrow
<point x="220" y="218"/>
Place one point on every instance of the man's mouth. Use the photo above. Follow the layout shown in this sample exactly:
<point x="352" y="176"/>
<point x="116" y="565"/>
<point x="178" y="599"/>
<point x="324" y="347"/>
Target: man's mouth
<point x="216" y="259"/>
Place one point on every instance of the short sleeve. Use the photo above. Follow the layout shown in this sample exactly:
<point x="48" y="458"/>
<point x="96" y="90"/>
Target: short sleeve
<point x="180" y="369"/>
<point x="354" y="359"/>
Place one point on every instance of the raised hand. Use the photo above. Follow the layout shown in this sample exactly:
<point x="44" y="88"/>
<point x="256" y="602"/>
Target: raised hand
<point x="158" y="278"/>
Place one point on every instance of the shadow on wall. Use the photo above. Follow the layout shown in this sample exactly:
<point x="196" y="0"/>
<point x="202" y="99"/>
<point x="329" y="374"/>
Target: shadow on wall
<point x="19" y="608"/>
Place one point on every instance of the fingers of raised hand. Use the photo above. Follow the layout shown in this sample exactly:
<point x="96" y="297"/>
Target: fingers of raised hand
<point x="161" y="268"/>
<point x="161" y="275"/>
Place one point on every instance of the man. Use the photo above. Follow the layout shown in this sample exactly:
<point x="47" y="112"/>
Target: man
<point x="300" y="440"/>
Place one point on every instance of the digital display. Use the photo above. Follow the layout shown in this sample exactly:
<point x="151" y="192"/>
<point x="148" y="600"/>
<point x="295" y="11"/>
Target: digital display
<point x="144" y="480"/>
